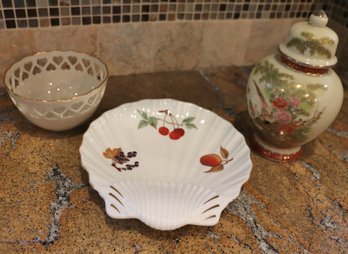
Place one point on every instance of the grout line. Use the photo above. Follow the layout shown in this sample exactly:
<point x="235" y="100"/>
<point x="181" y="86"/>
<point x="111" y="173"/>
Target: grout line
<point x="214" y="12"/>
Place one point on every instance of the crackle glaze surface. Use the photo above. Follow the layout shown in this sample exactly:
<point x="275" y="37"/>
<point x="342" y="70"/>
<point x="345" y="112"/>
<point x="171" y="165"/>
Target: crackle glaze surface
<point x="47" y="204"/>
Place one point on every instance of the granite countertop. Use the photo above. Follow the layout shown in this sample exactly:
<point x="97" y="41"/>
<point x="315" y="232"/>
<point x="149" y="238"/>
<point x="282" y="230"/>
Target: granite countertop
<point x="47" y="203"/>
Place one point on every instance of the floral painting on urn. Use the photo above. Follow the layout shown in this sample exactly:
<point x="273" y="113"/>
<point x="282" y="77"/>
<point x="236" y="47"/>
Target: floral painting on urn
<point x="293" y="95"/>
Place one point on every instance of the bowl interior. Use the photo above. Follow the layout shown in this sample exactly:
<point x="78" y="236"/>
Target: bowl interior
<point x="56" y="85"/>
<point x="55" y="75"/>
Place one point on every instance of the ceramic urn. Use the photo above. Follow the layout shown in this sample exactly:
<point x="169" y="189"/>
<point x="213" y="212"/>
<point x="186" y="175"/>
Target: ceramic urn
<point x="294" y="95"/>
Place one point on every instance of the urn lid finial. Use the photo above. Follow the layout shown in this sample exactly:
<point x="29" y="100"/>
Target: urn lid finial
<point x="318" y="19"/>
<point x="311" y="43"/>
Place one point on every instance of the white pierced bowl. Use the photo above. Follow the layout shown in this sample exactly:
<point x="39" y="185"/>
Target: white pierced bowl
<point x="171" y="180"/>
<point x="57" y="90"/>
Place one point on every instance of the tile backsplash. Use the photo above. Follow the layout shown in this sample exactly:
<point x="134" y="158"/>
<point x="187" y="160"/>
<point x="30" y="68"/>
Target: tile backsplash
<point x="338" y="11"/>
<point x="48" y="13"/>
<point x="136" y="36"/>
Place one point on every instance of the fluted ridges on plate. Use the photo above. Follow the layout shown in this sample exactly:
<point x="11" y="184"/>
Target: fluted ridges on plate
<point x="163" y="205"/>
<point x="170" y="187"/>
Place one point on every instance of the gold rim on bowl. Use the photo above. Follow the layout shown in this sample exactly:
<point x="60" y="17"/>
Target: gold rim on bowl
<point x="9" y="90"/>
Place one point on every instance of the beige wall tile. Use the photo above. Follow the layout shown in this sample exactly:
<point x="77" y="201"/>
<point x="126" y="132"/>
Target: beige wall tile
<point x="265" y="36"/>
<point x="177" y="45"/>
<point x="14" y="45"/>
<point x="154" y="46"/>
<point x="77" y="38"/>
<point x="126" y="48"/>
<point x="224" y="42"/>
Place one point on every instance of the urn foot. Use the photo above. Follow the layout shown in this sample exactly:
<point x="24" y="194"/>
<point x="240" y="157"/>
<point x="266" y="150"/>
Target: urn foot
<point x="275" y="153"/>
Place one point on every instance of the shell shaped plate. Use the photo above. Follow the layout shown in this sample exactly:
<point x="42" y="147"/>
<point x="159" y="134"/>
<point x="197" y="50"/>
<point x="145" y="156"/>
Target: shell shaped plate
<point x="165" y="162"/>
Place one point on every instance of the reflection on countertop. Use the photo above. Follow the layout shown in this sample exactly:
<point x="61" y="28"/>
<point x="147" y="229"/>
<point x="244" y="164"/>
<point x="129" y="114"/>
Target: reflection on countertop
<point x="47" y="203"/>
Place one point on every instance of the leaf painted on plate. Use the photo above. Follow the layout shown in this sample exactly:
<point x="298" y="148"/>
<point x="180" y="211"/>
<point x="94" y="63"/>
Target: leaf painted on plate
<point x="188" y="119"/>
<point x="143" y="123"/>
<point x="224" y="153"/>
<point x="143" y="114"/>
<point x="153" y="121"/>
<point x="111" y="153"/>
<point x="190" y="126"/>
<point x="217" y="168"/>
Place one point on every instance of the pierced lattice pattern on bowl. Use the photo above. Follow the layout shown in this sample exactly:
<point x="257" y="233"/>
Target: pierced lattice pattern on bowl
<point x="57" y="90"/>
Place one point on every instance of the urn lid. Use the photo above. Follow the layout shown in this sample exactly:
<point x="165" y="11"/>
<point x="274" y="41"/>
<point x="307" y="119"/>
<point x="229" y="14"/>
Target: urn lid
<point x="311" y="43"/>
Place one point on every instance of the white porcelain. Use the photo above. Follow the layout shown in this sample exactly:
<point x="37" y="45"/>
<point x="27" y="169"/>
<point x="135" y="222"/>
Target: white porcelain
<point x="174" y="182"/>
<point x="57" y="90"/>
<point x="311" y="43"/>
<point x="294" y="96"/>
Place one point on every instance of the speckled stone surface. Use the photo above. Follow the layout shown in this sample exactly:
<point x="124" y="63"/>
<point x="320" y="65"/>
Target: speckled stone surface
<point x="47" y="204"/>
